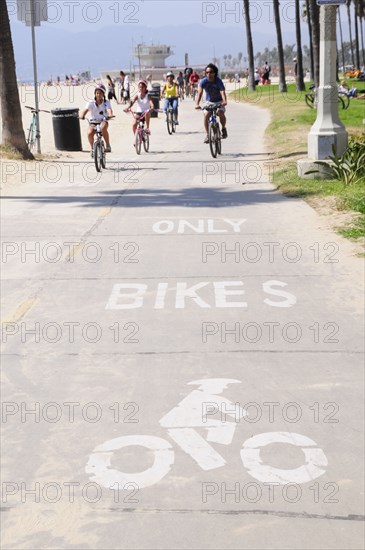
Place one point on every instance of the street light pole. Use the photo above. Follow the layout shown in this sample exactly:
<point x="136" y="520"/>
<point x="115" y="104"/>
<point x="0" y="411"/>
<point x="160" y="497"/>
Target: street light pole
<point x="32" y="15"/>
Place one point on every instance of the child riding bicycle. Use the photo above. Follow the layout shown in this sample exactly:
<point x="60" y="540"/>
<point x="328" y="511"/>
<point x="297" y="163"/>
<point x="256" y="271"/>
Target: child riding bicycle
<point x="99" y="110"/>
<point x="145" y="105"/>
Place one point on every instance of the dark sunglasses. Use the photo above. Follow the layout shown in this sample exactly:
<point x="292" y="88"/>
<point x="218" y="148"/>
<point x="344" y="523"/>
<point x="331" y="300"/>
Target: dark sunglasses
<point x="209" y="72"/>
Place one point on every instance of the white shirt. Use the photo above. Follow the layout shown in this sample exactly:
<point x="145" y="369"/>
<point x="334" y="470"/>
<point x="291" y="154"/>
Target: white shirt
<point x="97" y="112"/>
<point x="143" y="104"/>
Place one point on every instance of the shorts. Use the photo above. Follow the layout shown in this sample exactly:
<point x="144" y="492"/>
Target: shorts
<point x="210" y="103"/>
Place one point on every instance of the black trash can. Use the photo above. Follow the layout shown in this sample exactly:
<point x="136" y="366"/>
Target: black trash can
<point x="66" y="129"/>
<point x="155" y="96"/>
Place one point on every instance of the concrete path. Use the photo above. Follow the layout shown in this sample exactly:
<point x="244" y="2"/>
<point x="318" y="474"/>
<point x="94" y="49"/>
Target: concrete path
<point x="182" y="352"/>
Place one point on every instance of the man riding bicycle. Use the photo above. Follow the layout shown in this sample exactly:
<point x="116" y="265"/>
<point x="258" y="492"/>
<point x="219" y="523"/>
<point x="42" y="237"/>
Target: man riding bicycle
<point x="215" y="93"/>
<point x="99" y="109"/>
<point x="170" y="93"/>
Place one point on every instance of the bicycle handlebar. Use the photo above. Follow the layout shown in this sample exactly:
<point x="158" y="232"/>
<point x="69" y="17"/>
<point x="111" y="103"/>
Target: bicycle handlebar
<point x="34" y="110"/>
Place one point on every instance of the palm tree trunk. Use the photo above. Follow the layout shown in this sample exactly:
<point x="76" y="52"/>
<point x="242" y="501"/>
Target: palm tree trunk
<point x="12" y="127"/>
<point x="282" y="82"/>
<point x="250" y="52"/>
<point x="362" y="41"/>
<point x="314" y="13"/>
<point x="341" y="38"/>
<point x="300" y="78"/>
<point x="350" y="31"/>
<point x="310" y="40"/>
<point x="357" y="41"/>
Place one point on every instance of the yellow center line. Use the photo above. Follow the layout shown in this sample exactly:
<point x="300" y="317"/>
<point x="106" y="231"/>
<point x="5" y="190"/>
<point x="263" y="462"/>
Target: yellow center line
<point x="20" y="311"/>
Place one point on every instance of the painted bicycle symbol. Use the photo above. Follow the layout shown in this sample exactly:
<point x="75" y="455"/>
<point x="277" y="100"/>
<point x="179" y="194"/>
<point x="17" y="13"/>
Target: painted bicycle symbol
<point x="182" y="422"/>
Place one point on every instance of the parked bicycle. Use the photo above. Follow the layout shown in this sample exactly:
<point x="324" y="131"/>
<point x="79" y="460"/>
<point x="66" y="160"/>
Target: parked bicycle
<point x="142" y="135"/>
<point x="33" y="135"/>
<point x="310" y="98"/>
<point x="99" y="154"/>
<point x="214" y="131"/>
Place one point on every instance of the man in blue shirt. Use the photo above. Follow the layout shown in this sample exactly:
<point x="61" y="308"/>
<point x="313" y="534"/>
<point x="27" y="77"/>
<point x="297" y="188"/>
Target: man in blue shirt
<point x="215" y="92"/>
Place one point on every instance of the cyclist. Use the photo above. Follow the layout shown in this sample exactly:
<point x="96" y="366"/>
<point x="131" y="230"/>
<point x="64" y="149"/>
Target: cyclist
<point x="144" y="103"/>
<point x="187" y="72"/>
<point x="170" y="92"/>
<point x="193" y="81"/>
<point x="215" y="92"/>
<point x="98" y="109"/>
<point x="181" y="82"/>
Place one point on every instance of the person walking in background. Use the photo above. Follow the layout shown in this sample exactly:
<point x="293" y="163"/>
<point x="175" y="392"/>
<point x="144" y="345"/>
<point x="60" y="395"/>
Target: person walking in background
<point x="266" y="73"/>
<point x="111" y="88"/>
<point x="124" y="87"/>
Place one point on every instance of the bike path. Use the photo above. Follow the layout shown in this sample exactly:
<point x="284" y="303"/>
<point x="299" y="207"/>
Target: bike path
<point x="131" y="318"/>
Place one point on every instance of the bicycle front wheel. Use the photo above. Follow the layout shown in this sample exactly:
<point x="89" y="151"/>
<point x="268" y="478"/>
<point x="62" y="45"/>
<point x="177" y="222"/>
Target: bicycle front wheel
<point x="213" y="140"/>
<point x="138" y="143"/>
<point x="169" y="122"/>
<point x="146" y="142"/>
<point x="97" y="155"/>
<point x="219" y="141"/>
<point x="309" y="99"/>
<point x="344" y="101"/>
<point x="103" y="156"/>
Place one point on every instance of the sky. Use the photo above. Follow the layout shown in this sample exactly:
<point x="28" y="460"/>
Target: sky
<point x="93" y="15"/>
<point x="147" y="20"/>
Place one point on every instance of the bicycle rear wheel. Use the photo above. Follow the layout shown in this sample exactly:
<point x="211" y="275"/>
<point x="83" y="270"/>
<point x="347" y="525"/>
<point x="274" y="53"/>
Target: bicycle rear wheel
<point x="146" y="142"/>
<point x="97" y="155"/>
<point x="138" y="142"/>
<point x="213" y="140"/>
<point x="31" y="137"/>
<point x="169" y="121"/>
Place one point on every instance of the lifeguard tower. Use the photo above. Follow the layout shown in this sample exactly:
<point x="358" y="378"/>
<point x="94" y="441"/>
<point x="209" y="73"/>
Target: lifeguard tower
<point x="152" y="57"/>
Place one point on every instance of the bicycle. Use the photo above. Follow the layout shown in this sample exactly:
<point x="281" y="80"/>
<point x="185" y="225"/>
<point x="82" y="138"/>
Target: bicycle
<point x="170" y="118"/>
<point x="214" y="132"/>
<point x="141" y="135"/>
<point x="99" y="154"/>
<point x="33" y="135"/>
<point x="195" y="91"/>
<point x="310" y="98"/>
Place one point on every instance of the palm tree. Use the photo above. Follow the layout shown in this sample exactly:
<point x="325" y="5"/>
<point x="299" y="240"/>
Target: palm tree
<point x="350" y="31"/>
<point x="341" y="38"/>
<point x="282" y="82"/>
<point x="12" y="127"/>
<point x="250" y="53"/>
<point x="314" y="15"/>
<point x="299" y="77"/>
<point x="239" y="59"/>
<point x="308" y="15"/>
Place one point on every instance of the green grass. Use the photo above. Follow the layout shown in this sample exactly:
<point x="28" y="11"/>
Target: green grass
<point x="287" y="135"/>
